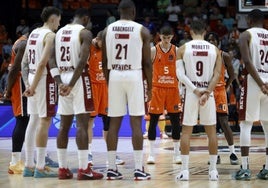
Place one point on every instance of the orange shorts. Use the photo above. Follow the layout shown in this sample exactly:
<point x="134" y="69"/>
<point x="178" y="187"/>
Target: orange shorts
<point x="221" y="99"/>
<point x="165" y="99"/>
<point x="100" y="98"/>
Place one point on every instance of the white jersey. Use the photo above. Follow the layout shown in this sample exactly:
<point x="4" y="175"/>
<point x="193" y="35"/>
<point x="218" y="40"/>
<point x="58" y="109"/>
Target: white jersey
<point x="35" y="46"/>
<point x="259" y="51"/>
<point x="68" y="47"/>
<point x="124" y="45"/>
<point x="199" y="59"/>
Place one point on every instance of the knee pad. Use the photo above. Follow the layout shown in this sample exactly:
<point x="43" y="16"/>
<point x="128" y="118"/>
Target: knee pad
<point x="152" y="126"/>
<point x="245" y="133"/>
<point x="106" y="123"/>
<point x="175" y="123"/>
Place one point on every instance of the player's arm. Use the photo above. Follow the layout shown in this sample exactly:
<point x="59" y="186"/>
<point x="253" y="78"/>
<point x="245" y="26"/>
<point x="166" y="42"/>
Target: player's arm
<point x="46" y="54"/>
<point x="104" y="56"/>
<point x="25" y="68"/>
<point x="244" y="40"/>
<point x="153" y="53"/>
<point x="16" y="67"/>
<point x="54" y="70"/>
<point x="146" y="59"/>
<point x="86" y="38"/>
<point x="180" y="69"/>
<point x="216" y="73"/>
<point x="229" y="67"/>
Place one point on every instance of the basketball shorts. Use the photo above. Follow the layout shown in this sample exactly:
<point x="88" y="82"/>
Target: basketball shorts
<point x="253" y="104"/>
<point x="80" y="100"/>
<point x="221" y="99"/>
<point x="100" y="98"/>
<point x="125" y="89"/>
<point x="43" y="102"/>
<point x="193" y="110"/>
<point x="165" y="99"/>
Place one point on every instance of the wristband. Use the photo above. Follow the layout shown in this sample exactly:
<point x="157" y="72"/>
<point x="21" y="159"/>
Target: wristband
<point x="54" y="72"/>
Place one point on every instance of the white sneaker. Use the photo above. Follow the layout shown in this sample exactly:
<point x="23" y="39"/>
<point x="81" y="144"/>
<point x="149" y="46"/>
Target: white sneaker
<point x="183" y="175"/>
<point x="163" y="135"/>
<point x="213" y="175"/>
<point x="145" y="135"/>
<point x="119" y="161"/>
<point x="150" y="160"/>
<point x="177" y="159"/>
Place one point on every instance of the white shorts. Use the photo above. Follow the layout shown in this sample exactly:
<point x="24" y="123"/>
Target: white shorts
<point x="44" y="100"/>
<point x="253" y="104"/>
<point x="192" y="108"/>
<point x="80" y="100"/>
<point x="125" y="88"/>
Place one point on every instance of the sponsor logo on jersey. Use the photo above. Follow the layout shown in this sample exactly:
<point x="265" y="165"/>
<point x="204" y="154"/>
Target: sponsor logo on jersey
<point x="121" y="36"/>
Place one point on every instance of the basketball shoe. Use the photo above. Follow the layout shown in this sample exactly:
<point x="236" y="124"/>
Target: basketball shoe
<point x="113" y="175"/>
<point x="45" y="173"/>
<point x="183" y="175"/>
<point x="65" y="173"/>
<point x="16" y="168"/>
<point x="28" y="172"/>
<point x="242" y="174"/>
<point x="88" y="174"/>
<point x="263" y="174"/>
<point x="141" y="175"/>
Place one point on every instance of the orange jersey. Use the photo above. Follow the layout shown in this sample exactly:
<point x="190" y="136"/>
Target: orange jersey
<point x="164" y="67"/>
<point x="222" y="77"/>
<point x="95" y="65"/>
<point x="19" y="103"/>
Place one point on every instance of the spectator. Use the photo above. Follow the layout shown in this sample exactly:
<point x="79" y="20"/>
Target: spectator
<point x="228" y="21"/>
<point x="222" y="32"/>
<point x="161" y="8"/>
<point x="234" y="34"/>
<point x="200" y="15"/>
<point x="4" y="74"/>
<point x="149" y="24"/>
<point x="23" y="28"/>
<point x="7" y="47"/>
<point x="173" y="10"/>
<point x="110" y="17"/>
<point x="242" y="24"/>
<point x="186" y="38"/>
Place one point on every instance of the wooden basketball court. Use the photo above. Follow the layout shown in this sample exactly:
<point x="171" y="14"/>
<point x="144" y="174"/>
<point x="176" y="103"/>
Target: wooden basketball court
<point x="163" y="172"/>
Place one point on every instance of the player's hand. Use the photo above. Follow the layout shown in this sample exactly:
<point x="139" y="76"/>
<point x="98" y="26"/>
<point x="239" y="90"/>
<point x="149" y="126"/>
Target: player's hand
<point x="64" y="90"/>
<point x="28" y="92"/>
<point x="7" y="94"/>
<point x="203" y="99"/>
<point x="264" y="88"/>
<point x="198" y="92"/>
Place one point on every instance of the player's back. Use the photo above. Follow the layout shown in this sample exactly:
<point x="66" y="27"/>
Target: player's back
<point x="199" y="59"/>
<point x="124" y="45"/>
<point x="35" y="47"/>
<point x="259" y="50"/>
<point x="68" y="46"/>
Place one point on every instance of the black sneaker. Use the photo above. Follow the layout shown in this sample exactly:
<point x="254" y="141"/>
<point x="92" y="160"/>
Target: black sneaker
<point x="263" y="174"/>
<point x="113" y="175"/>
<point x="141" y="175"/>
<point x="233" y="159"/>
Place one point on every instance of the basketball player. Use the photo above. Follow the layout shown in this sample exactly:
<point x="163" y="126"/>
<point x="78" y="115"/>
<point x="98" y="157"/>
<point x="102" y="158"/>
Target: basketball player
<point x="253" y="100"/>
<point x="15" y="88"/>
<point x="221" y="97"/>
<point x="40" y="86"/>
<point x="69" y="69"/>
<point x="100" y="93"/>
<point x="165" y="92"/>
<point x="198" y="67"/>
<point x="126" y="56"/>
